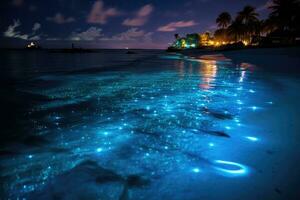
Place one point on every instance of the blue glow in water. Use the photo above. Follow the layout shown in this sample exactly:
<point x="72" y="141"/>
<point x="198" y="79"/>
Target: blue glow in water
<point x="239" y="171"/>
<point x="172" y="57"/>
<point x="159" y="122"/>
<point x="105" y="133"/>
<point x="251" y="138"/>
<point x="254" y="108"/>
<point x="196" y="170"/>
<point x="239" y="102"/>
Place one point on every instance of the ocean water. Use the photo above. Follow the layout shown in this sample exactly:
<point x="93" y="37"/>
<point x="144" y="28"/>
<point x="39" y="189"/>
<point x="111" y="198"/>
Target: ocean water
<point x="151" y="125"/>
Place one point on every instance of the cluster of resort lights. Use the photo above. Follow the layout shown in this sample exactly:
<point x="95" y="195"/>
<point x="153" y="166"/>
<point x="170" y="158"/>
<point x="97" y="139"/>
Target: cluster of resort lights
<point x="213" y="43"/>
<point x="202" y="40"/>
<point x="31" y="45"/>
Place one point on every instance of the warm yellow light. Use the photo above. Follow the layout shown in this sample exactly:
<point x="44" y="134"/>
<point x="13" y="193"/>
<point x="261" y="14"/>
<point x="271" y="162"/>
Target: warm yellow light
<point x="183" y="44"/>
<point x="31" y="45"/>
<point x="211" y="42"/>
<point x="245" y="42"/>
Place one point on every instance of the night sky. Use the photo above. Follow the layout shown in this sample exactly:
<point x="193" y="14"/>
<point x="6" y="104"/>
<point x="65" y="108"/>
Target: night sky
<point x="111" y="23"/>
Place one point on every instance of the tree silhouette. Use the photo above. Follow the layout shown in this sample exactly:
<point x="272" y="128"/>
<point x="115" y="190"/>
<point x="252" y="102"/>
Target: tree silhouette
<point x="223" y="20"/>
<point x="249" y="18"/>
<point x="236" y="30"/>
<point x="285" y="14"/>
<point x="247" y="15"/>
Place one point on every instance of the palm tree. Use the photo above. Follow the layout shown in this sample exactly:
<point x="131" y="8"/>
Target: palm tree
<point x="268" y="26"/>
<point x="223" y="20"/>
<point x="249" y="18"/>
<point x="247" y="15"/>
<point x="221" y="34"/>
<point x="236" y="30"/>
<point x="285" y="13"/>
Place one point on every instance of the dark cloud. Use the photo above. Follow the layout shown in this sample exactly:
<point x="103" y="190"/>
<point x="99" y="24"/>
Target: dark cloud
<point x="17" y="2"/>
<point x="100" y="15"/>
<point x="59" y="18"/>
<point x="93" y="33"/>
<point x="141" y="16"/>
<point x="133" y="34"/>
<point x="264" y="6"/>
<point x="173" y="26"/>
<point x="36" y="27"/>
<point x="12" y="31"/>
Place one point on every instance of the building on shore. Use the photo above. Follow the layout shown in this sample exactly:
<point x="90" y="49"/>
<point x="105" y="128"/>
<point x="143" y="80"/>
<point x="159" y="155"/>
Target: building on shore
<point x="32" y="45"/>
<point x="194" y="40"/>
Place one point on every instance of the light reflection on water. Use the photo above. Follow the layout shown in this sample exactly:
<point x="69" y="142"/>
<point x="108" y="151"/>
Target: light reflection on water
<point x="208" y="70"/>
<point x="148" y="125"/>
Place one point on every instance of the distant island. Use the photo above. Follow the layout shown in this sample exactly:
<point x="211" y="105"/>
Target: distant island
<point x="281" y="28"/>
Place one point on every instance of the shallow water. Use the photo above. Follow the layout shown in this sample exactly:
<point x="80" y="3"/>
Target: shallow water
<point x="150" y="125"/>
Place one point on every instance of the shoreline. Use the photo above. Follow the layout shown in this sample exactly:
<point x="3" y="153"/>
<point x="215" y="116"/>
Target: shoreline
<point x="276" y="60"/>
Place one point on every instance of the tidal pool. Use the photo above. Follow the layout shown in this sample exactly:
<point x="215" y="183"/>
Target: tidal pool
<point x="151" y="126"/>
